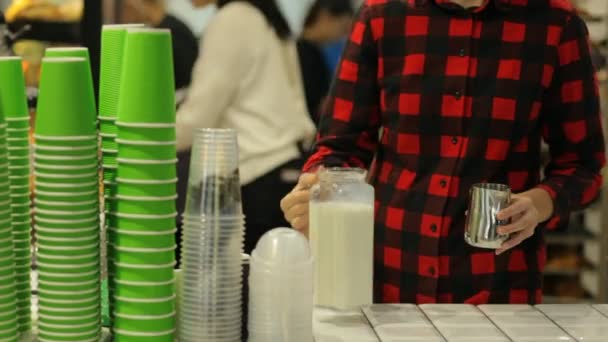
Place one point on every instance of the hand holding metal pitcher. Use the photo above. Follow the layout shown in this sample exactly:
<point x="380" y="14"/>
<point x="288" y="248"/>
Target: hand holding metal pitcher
<point x="485" y="202"/>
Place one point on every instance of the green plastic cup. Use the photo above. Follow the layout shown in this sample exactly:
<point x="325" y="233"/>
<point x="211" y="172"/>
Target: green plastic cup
<point x="66" y="160"/>
<point x="80" y="52"/>
<point x="160" y="134"/>
<point x="72" y="286"/>
<point x="63" y="223"/>
<point x="68" y="52"/>
<point x="74" y="197"/>
<point x="147" y="97"/>
<point x="10" y="334"/>
<point x="143" y="255"/>
<point x="45" y="241"/>
<point x="128" y="336"/>
<point x="46" y="150"/>
<point x="65" y="169"/>
<point x="69" y="293"/>
<point x="12" y="89"/>
<point x="67" y="207"/>
<point x="19" y="123"/>
<point x="66" y="188"/>
<point x="20" y="180"/>
<point x="57" y="237"/>
<point x="153" y="324"/>
<point x="108" y="125"/>
<point x="23" y="152"/>
<point x="112" y="55"/>
<point x="47" y="336"/>
<point x="18" y="142"/>
<point x="165" y="172"/>
<point x="161" y="207"/>
<point x="109" y="157"/>
<point x="140" y="150"/>
<point x="81" y="303"/>
<point x="20" y="161"/>
<point x="141" y="273"/>
<point x="108" y="141"/>
<point x="145" y="190"/>
<point x="67" y="313"/>
<point x="142" y="307"/>
<point x="21" y="223"/>
<point x="75" y="178"/>
<point x="137" y="239"/>
<point x="140" y="224"/>
<point x="58" y="276"/>
<point x="66" y="105"/>
<point x="131" y="289"/>
<point x="23" y="253"/>
<point x="77" y="142"/>
<point x="69" y="327"/>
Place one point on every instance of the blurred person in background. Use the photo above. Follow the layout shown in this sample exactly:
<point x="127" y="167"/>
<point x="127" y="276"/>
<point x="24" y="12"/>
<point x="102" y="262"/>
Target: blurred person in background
<point x="248" y="79"/>
<point x="185" y="45"/>
<point x="327" y="22"/>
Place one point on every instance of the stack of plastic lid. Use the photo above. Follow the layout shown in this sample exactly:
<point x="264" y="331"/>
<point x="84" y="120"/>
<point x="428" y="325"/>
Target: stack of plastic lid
<point x="212" y="242"/>
<point x="14" y="106"/>
<point x="141" y="215"/>
<point x="281" y="288"/>
<point x="8" y="293"/>
<point x="67" y="203"/>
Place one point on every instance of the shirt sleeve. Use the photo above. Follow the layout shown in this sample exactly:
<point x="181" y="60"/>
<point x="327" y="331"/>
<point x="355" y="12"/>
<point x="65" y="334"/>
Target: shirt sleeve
<point x="572" y="126"/>
<point x="350" y="120"/>
<point x="227" y="51"/>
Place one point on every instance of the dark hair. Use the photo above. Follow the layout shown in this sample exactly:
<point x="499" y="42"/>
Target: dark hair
<point x="336" y="8"/>
<point x="271" y="11"/>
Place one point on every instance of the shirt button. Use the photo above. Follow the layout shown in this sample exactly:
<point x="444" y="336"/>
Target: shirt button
<point x="458" y="94"/>
<point x="443" y="183"/>
<point x="434" y="228"/>
<point x="461" y="53"/>
<point x="454" y="140"/>
<point x="432" y="271"/>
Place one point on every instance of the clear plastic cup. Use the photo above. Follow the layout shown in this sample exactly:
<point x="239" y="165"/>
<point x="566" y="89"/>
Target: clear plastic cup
<point x="214" y="187"/>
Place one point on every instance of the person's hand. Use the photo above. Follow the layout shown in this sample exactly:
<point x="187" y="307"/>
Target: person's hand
<point x="295" y="204"/>
<point x="524" y="217"/>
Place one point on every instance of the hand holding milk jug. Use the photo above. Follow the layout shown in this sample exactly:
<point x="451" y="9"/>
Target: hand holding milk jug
<point x="341" y="221"/>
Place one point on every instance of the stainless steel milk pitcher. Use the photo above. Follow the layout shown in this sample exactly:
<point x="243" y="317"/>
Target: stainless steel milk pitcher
<point x="485" y="201"/>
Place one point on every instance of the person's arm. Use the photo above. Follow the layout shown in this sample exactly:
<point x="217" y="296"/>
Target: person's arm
<point x="228" y="48"/>
<point x="350" y="121"/>
<point x="572" y="126"/>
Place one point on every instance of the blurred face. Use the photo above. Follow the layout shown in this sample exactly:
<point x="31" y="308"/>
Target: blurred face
<point x="131" y="12"/>
<point x="334" y="28"/>
<point x="202" y="3"/>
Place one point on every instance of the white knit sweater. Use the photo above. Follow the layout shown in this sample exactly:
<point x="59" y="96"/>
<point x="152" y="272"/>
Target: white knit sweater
<point x="248" y="79"/>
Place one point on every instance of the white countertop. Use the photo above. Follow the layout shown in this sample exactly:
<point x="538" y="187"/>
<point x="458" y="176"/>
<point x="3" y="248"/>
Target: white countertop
<point x="464" y="323"/>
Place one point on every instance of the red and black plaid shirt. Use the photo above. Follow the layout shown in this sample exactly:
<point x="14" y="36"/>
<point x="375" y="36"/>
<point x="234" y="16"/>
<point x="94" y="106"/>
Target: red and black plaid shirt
<point x="461" y="97"/>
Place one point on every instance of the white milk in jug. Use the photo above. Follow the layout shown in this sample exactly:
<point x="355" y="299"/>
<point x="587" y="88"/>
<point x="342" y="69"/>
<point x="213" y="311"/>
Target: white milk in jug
<point x="342" y="242"/>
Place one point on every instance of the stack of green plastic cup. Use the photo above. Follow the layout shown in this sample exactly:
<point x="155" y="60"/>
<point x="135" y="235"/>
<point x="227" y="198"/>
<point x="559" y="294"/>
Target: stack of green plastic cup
<point x="14" y="107"/>
<point x="8" y="291"/>
<point x="141" y="221"/>
<point x="112" y="53"/>
<point x="67" y="203"/>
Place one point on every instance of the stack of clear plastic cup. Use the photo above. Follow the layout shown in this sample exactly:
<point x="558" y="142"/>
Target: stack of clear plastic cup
<point x="66" y="207"/>
<point x="281" y="288"/>
<point x="141" y="212"/>
<point x="13" y="104"/>
<point x="212" y="242"/>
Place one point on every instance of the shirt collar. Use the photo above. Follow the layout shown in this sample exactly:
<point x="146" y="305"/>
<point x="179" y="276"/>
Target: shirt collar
<point x="502" y="5"/>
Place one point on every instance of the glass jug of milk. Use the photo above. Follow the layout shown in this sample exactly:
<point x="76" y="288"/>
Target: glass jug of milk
<point x="342" y="238"/>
